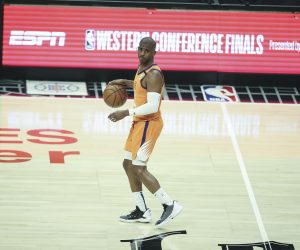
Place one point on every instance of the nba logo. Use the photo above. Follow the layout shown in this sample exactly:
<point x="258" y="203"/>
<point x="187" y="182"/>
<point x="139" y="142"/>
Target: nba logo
<point x="90" y="40"/>
<point x="218" y="93"/>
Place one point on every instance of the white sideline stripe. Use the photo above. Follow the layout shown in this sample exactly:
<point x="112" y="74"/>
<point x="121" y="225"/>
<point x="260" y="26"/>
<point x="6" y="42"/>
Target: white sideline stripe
<point x="242" y="166"/>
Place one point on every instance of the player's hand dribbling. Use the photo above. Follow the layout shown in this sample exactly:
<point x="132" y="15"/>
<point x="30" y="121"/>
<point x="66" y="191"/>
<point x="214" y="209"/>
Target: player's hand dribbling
<point x="118" y="115"/>
<point x="118" y="82"/>
<point x="123" y="82"/>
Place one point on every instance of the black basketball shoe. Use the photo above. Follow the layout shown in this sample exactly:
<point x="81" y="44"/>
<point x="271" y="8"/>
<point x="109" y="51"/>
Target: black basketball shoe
<point x="137" y="216"/>
<point x="170" y="212"/>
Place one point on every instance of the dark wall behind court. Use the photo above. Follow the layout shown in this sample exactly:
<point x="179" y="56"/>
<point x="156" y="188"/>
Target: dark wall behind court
<point x="172" y="77"/>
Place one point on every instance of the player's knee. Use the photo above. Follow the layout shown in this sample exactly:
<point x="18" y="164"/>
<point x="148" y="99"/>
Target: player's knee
<point x="140" y="170"/>
<point x="126" y="165"/>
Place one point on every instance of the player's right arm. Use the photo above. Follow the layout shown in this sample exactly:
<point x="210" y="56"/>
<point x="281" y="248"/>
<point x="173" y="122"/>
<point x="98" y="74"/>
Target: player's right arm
<point x="123" y="82"/>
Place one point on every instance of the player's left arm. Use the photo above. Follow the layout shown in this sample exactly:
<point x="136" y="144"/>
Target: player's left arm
<point x="154" y="83"/>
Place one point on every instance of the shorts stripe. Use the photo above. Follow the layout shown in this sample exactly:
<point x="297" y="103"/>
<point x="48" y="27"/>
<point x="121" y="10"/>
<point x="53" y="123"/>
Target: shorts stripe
<point x="144" y="133"/>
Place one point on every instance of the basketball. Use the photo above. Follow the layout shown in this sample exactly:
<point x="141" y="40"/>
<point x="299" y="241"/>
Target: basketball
<point x="115" y="95"/>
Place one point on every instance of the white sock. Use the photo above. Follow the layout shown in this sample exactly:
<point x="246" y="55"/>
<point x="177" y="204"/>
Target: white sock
<point x="140" y="200"/>
<point x="163" y="197"/>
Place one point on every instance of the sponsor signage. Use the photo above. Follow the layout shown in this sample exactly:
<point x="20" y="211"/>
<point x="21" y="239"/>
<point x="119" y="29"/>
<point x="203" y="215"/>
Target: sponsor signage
<point x="218" y="93"/>
<point x="94" y="37"/>
<point x="56" y="88"/>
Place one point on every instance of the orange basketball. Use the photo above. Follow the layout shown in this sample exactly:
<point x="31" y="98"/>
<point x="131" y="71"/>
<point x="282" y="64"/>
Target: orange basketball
<point x="115" y="95"/>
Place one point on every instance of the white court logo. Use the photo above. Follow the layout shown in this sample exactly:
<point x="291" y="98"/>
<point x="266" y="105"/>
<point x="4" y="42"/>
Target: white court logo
<point x="37" y="38"/>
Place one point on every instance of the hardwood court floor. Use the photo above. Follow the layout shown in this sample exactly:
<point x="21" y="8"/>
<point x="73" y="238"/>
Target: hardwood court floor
<point x="75" y="205"/>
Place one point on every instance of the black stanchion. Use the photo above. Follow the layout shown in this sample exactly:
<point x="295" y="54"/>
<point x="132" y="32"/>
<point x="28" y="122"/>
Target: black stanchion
<point x="152" y="242"/>
<point x="269" y="245"/>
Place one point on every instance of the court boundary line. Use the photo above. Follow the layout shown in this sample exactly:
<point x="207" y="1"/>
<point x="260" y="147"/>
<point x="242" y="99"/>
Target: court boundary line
<point x="245" y="176"/>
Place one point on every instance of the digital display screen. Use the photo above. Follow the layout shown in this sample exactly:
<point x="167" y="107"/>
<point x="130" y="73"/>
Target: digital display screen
<point x="95" y="37"/>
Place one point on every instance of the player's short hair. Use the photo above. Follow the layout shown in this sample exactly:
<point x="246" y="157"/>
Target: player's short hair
<point x="149" y="41"/>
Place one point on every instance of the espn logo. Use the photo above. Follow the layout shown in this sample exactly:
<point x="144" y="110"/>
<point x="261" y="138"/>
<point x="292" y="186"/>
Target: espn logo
<point x="36" y="38"/>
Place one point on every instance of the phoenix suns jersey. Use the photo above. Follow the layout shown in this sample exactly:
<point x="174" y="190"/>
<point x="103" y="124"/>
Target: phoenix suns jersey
<point x="140" y="93"/>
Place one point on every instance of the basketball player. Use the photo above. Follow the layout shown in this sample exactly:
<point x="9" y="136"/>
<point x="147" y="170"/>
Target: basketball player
<point x="147" y="125"/>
